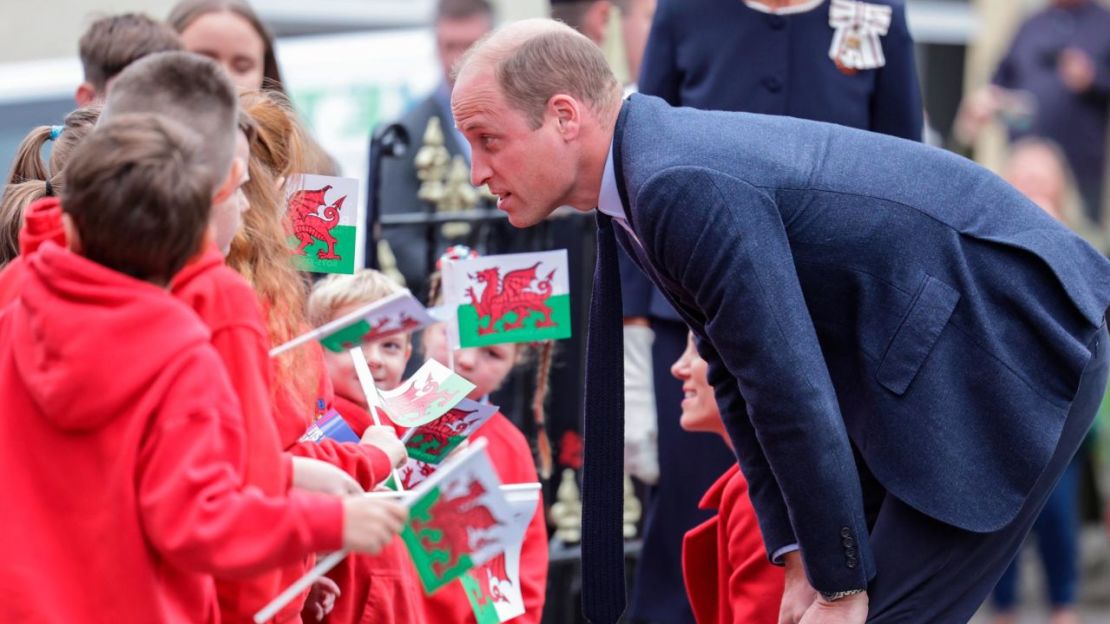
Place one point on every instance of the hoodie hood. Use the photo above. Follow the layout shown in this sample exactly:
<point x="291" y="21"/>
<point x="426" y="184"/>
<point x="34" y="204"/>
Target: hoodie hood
<point x="42" y="221"/>
<point x="90" y="342"/>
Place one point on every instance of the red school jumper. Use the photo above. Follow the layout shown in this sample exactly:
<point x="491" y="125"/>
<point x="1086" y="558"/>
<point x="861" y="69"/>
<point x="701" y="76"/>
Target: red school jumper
<point x="367" y="464"/>
<point x="512" y="459"/>
<point x="382" y="588"/>
<point x="42" y="221"/>
<point x="724" y="562"/>
<point x="229" y="308"/>
<point x="122" y="454"/>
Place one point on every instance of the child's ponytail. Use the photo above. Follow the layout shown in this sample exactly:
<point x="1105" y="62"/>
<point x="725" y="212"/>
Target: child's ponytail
<point x="543" y="373"/>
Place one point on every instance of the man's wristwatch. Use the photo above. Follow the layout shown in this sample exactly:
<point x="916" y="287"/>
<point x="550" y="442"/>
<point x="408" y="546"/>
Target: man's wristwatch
<point x="834" y="596"/>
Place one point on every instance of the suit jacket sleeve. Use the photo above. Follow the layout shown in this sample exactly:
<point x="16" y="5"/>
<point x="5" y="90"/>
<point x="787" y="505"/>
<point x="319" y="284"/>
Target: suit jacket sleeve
<point x="896" y="102"/>
<point x="738" y="270"/>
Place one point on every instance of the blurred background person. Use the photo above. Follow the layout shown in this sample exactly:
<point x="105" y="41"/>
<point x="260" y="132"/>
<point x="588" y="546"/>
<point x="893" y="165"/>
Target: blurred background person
<point x="1054" y="82"/>
<point x="1039" y="169"/>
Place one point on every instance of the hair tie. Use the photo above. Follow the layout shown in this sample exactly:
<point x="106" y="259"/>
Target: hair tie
<point x="55" y="132"/>
<point x="49" y="189"/>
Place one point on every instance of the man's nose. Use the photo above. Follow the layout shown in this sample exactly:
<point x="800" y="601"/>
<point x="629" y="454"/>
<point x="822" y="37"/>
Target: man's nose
<point x="480" y="172"/>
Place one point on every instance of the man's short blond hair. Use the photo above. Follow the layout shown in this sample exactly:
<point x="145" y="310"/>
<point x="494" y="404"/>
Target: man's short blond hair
<point x="533" y="60"/>
<point x="340" y="291"/>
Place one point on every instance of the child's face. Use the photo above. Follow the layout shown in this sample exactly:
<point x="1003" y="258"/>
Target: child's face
<point x="227" y="215"/>
<point x="485" y="367"/>
<point x="699" y="407"/>
<point x="386" y="359"/>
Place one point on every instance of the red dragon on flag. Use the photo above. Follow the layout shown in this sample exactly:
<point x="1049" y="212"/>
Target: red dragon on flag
<point x="456" y="526"/>
<point x="308" y="225"/>
<point x="513" y="294"/>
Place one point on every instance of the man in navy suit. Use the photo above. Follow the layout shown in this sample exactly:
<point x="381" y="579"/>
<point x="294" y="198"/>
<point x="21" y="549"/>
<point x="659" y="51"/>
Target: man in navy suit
<point x="906" y="351"/>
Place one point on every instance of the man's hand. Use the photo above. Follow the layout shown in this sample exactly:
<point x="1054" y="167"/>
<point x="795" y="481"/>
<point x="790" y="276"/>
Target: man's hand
<point x="317" y="476"/>
<point x="369" y="524"/>
<point x="385" y="438"/>
<point x="1076" y="69"/>
<point x="797" y="595"/>
<point x="848" y="610"/>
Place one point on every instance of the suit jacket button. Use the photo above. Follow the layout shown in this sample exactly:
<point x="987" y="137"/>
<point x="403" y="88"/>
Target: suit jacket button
<point x="851" y="552"/>
<point x="851" y="563"/>
<point x="845" y="532"/>
<point x="848" y="542"/>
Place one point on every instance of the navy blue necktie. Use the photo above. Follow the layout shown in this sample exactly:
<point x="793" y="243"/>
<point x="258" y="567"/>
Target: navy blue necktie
<point x="603" y="476"/>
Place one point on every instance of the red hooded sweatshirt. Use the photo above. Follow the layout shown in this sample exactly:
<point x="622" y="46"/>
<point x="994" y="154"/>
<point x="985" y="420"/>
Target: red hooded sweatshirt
<point x="42" y="221"/>
<point x="228" y="307"/>
<point x="512" y="459"/>
<point x="122" y="452"/>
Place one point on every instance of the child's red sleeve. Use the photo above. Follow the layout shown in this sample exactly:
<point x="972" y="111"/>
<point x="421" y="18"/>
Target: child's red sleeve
<point x="194" y="509"/>
<point x="368" y="464"/>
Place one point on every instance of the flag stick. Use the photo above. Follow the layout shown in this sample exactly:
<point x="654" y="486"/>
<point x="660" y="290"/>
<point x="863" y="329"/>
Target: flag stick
<point x="333" y="559"/>
<point x="373" y="400"/>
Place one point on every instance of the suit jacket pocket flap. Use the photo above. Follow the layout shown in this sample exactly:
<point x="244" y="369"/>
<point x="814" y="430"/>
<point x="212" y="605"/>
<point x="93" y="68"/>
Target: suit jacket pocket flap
<point x="916" y="336"/>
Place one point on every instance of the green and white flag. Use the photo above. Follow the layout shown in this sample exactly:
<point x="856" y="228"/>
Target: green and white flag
<point x="323" y="222"/>
<point x="397" y="313"/>
<point x="430" y="393"/>
<point x="430" y="444"/>
<point x="508" y="298"/>
<point x="493" y="588"/>
<point x="460" y="520"/>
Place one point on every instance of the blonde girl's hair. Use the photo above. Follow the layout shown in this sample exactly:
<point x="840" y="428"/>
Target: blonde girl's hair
<point x="335" y="292"/>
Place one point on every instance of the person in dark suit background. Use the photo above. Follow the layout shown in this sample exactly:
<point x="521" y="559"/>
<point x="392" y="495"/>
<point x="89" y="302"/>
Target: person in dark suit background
<point x="458" y="25"/>
<point x="775" y="57"/>
<point x="883" y="321"/>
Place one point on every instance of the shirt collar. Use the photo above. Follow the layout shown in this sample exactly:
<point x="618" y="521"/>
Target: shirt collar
<point x="609" y="200"/>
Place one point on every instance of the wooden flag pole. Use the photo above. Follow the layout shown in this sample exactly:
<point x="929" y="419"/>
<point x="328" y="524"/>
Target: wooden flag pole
<point x="333" y="559"/>
<point x="373" y="401"/>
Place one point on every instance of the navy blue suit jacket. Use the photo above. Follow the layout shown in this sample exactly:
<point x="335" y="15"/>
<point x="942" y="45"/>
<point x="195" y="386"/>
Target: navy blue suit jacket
<point x="851" y="288"/>
<point x="725" y="55"/>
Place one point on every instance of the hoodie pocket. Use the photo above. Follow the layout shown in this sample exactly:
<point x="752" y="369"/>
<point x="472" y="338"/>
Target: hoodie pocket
<point x="914" y="340"/>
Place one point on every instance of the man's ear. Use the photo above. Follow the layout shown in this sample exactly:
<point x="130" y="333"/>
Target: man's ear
<point x="85" y="95"/>
<point x="73" y="237"/>
<point x="231" y="182"/>
<point x="567" y="113"/>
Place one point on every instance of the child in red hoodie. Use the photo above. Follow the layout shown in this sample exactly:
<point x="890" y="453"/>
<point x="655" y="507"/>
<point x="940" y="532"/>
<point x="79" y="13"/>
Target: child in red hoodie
<point x="487" y="367"/>
<point x="260" y="253"/>
<point x="223" y="300"/>
<point x="122" y="467"/>
<point x="728" y="577"/>
<point x="383" y="588"/>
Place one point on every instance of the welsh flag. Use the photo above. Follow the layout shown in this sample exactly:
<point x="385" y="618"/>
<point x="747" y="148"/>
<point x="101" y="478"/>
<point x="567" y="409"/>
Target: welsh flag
<point x="323" y="222"/>
<point x="397" y="313"/>
<point x="430" y="393"/>
<point x="493" y="588"/>
<point x="460" y="520"/>
<point x="429" y="444"/>
<point x="508" y="298"/>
